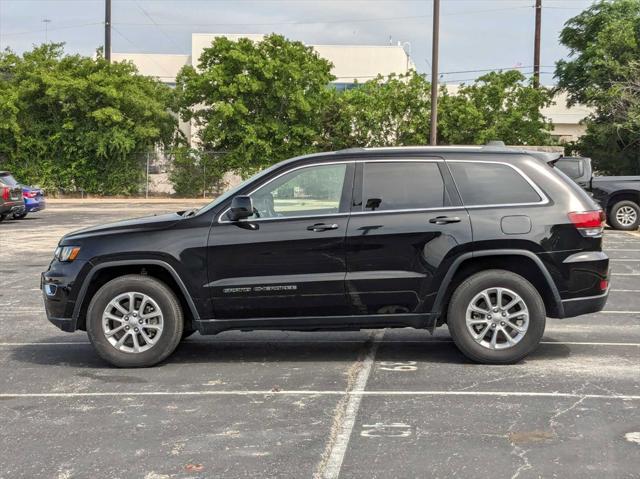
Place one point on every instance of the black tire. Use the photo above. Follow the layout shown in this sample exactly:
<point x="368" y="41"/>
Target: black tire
<point x="613" y="213"/>
<point x="462" y="298"/>
<point x="2" y="217"/>
<point x="20" y="216"/>
<point x="172" y="321"/>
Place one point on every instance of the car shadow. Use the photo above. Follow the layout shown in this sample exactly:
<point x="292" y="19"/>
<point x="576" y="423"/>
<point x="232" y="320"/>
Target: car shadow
<point x="220" y="350"/>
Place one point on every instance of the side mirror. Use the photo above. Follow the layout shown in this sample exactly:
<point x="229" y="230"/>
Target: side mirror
<point x="241" y="208"/>
<point x="373" y="204"/>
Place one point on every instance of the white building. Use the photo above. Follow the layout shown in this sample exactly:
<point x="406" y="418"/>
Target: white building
<point x="351" y="63"/>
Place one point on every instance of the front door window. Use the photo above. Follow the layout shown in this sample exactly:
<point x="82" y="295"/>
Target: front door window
<point x="311" y="191"/>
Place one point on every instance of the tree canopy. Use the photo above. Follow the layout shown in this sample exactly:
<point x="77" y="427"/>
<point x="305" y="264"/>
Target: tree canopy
<point x="261" y="102"/>
<point x="602" y="72"/>
<point x="497" y="106"/>
<point x="396" y="111"/>
<point x="75" y="122"/>
<point x="603" y="43"/>
<point x="392" y="111"/>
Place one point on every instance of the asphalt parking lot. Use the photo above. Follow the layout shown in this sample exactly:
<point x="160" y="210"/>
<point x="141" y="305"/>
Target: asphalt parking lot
<point x="384" y="404"/>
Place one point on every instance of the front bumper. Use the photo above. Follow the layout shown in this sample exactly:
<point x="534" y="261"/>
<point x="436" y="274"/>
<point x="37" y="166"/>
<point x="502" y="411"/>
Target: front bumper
<point x="59" y="286"/>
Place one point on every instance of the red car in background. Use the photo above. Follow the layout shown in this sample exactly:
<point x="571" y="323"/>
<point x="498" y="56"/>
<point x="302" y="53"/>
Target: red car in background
<point x="11" y="199"/>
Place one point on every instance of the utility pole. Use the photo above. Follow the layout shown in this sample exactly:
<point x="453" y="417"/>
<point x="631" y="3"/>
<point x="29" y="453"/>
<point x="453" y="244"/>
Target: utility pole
<point x="107" y="30"/>
<point x="433" y="134"/>
<point x="46" y="22"/>
<point x="536" y="48"/>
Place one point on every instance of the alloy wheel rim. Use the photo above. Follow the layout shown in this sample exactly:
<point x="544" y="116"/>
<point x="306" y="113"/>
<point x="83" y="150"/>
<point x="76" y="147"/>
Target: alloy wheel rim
<point x="132" y="322"/>
<point x="626" y="216"/>
<point x="497" y="318"/>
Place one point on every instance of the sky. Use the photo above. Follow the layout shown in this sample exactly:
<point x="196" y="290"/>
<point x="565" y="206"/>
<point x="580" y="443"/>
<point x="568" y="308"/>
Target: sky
<point x="475" y="35"/>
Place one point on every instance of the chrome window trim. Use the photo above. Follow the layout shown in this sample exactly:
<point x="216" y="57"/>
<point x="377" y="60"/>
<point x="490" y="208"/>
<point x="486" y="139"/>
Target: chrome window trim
<point x="322" y="163"/>
<point x="543" y="198"/>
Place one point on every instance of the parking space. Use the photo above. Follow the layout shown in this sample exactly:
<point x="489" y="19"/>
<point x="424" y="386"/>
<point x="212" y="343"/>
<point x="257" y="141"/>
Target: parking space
<point x="395" y="403"/>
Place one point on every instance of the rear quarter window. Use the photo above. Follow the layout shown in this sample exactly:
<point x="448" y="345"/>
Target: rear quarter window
<point x="491" y="184"/>
<point x="8" y="180"/>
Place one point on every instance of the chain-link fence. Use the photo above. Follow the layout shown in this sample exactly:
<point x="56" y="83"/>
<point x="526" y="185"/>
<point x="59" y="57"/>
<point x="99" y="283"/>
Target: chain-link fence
<point x="182" y="172"/>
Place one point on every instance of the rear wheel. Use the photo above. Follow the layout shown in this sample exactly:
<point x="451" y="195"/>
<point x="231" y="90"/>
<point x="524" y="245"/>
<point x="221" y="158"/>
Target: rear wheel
<point x="134" y="321"/>
<point x="496" y="317"/>
<point x="625" y="215"/>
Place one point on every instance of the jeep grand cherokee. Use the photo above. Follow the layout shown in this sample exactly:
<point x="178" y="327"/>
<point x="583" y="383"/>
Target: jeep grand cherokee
<point x="489" y="241"/>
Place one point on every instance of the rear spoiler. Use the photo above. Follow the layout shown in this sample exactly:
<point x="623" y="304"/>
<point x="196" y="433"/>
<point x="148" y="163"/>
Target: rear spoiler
<point x="549" y="158"/>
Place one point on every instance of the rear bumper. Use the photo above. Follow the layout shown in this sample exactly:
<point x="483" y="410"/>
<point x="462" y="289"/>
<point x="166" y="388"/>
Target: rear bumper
<point x="33" y="205"/>
<point x="11" y="207"/>
<point x="585" y="305"/>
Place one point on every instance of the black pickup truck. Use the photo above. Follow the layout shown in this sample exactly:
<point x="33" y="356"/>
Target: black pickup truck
<point x="619" y="196"/>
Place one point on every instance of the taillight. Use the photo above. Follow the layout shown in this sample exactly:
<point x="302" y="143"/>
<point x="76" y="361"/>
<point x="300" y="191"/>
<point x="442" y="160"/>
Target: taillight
<point x="589" y="223"/>
<point x="5" y="193"/>
<point x="29" y="194"/>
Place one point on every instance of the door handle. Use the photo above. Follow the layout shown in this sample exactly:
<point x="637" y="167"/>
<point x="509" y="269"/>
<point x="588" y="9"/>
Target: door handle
<point x="443" y="220"/>
<point x="322" y="227"/>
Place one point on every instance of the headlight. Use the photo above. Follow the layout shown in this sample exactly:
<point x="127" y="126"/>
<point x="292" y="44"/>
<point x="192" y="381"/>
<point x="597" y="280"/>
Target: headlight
<point x="66" y="254"/>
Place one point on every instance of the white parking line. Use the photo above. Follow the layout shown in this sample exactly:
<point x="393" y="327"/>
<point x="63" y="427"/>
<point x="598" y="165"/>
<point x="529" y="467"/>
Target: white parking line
<point x="329" y="341"/>
<point x="310" y="341"/>
<point x="337" y="446"/>
<point x="294" y="392"/>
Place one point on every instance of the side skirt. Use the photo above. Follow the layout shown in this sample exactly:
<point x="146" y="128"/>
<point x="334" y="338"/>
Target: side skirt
<point x="319" y="323"/>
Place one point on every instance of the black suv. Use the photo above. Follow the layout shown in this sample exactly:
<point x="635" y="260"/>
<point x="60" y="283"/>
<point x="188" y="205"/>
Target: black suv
<point x="489" y="241"/>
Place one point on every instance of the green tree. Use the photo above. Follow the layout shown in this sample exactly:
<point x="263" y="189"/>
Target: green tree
<point x="393" y="111"/>
<point x="613" y="133"/>
<point x="604" y="45"/>
<point x="261" y="102"/>
<point x="78" y="122"/>
<point x="195" y="172"/>
<point x="497" y="106"/>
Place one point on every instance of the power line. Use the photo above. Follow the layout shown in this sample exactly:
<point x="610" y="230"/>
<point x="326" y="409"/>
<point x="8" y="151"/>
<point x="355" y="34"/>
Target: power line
<point x="42" y="30"/>
<point x="146" y="14"/>
<point x="159" y="65"/>
<point x="320" y="22"/>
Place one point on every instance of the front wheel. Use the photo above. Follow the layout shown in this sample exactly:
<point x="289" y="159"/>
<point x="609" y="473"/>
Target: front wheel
<point x="625" y="215"/>
<point x="20" y="216"/>
<point x="496" y="317"/>
<point x="134" y="321"/>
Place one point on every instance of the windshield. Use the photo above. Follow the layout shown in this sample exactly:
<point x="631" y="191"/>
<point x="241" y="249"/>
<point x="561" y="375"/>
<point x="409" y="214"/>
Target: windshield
<point x="228" y="194"/>
<point x="8" y="180"/>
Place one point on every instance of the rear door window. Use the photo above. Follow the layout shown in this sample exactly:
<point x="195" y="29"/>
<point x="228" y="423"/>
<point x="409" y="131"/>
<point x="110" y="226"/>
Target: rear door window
<point x="483" y="183"/>
<point x="402" y="185"/>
